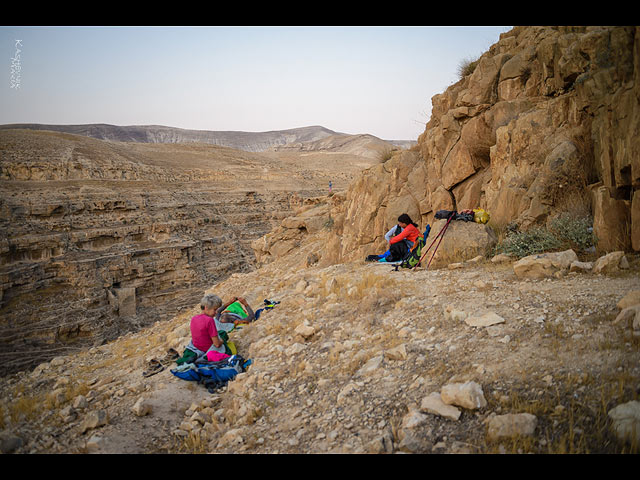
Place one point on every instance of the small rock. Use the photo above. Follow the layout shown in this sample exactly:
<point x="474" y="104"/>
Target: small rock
<point x="397" y="353"/>
<point x="93" y="420"/>
<point x="39" y="369"/>
<point x="301" y="285"/>
<point x="624" y="263"/>
<point x="544" y="265"/>
<point x="480" y="284"/>
<point x="231" y="438"/>
<point x="305" y="331"/>
<point x="57" y="362"/>
<point x="94" y="443"/>
<point x="626" y="421"/>
<point x="346" y="391"/>
<point x="58" y="396"/>
<point x="142" y="407"/>
<point x="511" y="425"/>
<point x="450" y="313"/>
<point x="501" y="258"/>
<point x="200" y="418"/>
<point x="80" y="402"/>
<point x="413" y="419"/>
<point x="434" y="404"/>
<point x="414" y="442"/>
<point x="61" y="382"/>
<point x="581" y="266"/>
<point x="373" y="365"/>
<point x="467" y="395"/>
<point x="9" y="442"/>
<point x="68" y="414"/>
<point x="485" y="320"/>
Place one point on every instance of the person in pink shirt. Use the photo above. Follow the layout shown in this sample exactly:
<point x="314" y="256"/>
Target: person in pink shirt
<point x="204" y="334"/>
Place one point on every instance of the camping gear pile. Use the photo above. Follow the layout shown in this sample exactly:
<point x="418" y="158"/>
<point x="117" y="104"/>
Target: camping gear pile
<point x="211" y="369"/>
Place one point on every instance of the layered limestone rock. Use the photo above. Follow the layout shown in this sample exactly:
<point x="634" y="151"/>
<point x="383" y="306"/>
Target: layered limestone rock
<point x="78" y="266"/>
<point x="546" y="113"/>
<point x="546" y="123"/>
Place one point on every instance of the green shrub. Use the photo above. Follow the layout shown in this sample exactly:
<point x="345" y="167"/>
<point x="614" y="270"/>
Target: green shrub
<point x="564" y="232"/>
<point x="530" y="242"/>
<point x="574" y="233"/>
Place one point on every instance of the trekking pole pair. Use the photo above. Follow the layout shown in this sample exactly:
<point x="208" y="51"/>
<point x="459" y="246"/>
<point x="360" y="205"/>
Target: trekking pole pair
<point x="437" y="238"/>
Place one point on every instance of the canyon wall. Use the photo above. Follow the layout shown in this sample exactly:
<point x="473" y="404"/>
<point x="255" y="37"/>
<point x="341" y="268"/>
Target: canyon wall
<point x="101" y="238"/>
<point x="545" y="122"/>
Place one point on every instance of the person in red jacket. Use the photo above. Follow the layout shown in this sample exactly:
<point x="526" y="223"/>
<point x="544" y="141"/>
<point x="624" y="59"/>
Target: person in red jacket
<point x="402" y="243"/>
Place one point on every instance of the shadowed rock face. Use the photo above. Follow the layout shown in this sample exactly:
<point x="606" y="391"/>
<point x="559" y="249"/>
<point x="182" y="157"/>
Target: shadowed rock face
<point x="100" y="238"/>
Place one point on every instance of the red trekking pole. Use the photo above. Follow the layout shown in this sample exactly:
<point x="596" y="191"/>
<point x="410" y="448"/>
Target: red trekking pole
<point x="439" y="236"/>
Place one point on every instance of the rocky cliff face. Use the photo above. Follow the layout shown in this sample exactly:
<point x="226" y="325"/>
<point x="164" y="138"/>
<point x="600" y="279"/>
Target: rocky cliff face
<point x="547" y="122"/>
<point x="99" y="238"/>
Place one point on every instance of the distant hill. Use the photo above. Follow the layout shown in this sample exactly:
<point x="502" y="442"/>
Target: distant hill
<point x="361" y="145"/>
<point x="247" y="141"/>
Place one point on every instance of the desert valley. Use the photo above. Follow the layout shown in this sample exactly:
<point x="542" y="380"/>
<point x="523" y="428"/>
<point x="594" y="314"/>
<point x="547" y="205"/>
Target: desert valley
<point x="519" y="335"/>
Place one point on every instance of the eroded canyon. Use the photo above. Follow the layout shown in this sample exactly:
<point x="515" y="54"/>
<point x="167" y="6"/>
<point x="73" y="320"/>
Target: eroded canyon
<point x="103" y="237"/>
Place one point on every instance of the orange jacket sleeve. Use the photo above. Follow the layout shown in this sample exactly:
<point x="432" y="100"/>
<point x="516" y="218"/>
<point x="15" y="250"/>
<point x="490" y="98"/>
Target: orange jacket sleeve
<point x="408" y="233"/>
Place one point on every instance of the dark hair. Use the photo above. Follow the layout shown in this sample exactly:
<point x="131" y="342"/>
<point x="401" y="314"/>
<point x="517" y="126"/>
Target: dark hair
<point x="404" y="218"/>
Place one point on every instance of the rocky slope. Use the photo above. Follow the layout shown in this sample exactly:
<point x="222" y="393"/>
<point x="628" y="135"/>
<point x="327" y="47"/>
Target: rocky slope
<point x="103" y="237"/>
<point x="358" y="358"/>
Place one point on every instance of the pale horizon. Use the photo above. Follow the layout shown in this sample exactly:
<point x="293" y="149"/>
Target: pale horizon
<point x="354" y="80"/>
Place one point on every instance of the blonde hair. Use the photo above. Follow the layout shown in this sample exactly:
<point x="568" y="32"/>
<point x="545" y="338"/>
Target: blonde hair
<point x="210" y="301"/>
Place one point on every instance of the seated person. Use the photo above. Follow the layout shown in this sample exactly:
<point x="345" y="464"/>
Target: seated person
<point x="204" y="333"/>
<point x="395" y="230"/>
<point x="235" y="312"/>
<point x="402" y="243"/>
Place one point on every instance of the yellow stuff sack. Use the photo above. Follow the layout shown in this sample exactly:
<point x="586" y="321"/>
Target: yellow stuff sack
<point x="480" y="215"/>
<point x="231" y="348"/>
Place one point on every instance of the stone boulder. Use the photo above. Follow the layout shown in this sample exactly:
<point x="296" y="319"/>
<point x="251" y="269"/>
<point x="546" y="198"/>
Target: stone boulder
<point x="466" y="395"/>
<point x="630" y="316"/>
<point x="610" y="263"/>
<point x="461" y="241"/>
<point x="630" y="299"/>
<point x="544" y="265"/>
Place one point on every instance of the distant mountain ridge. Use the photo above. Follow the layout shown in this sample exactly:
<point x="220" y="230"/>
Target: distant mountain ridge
<point x="247" y="141"/>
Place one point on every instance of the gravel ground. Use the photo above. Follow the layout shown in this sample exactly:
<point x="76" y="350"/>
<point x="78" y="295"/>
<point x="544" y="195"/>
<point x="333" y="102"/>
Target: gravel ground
<point x="343" y="363"/>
